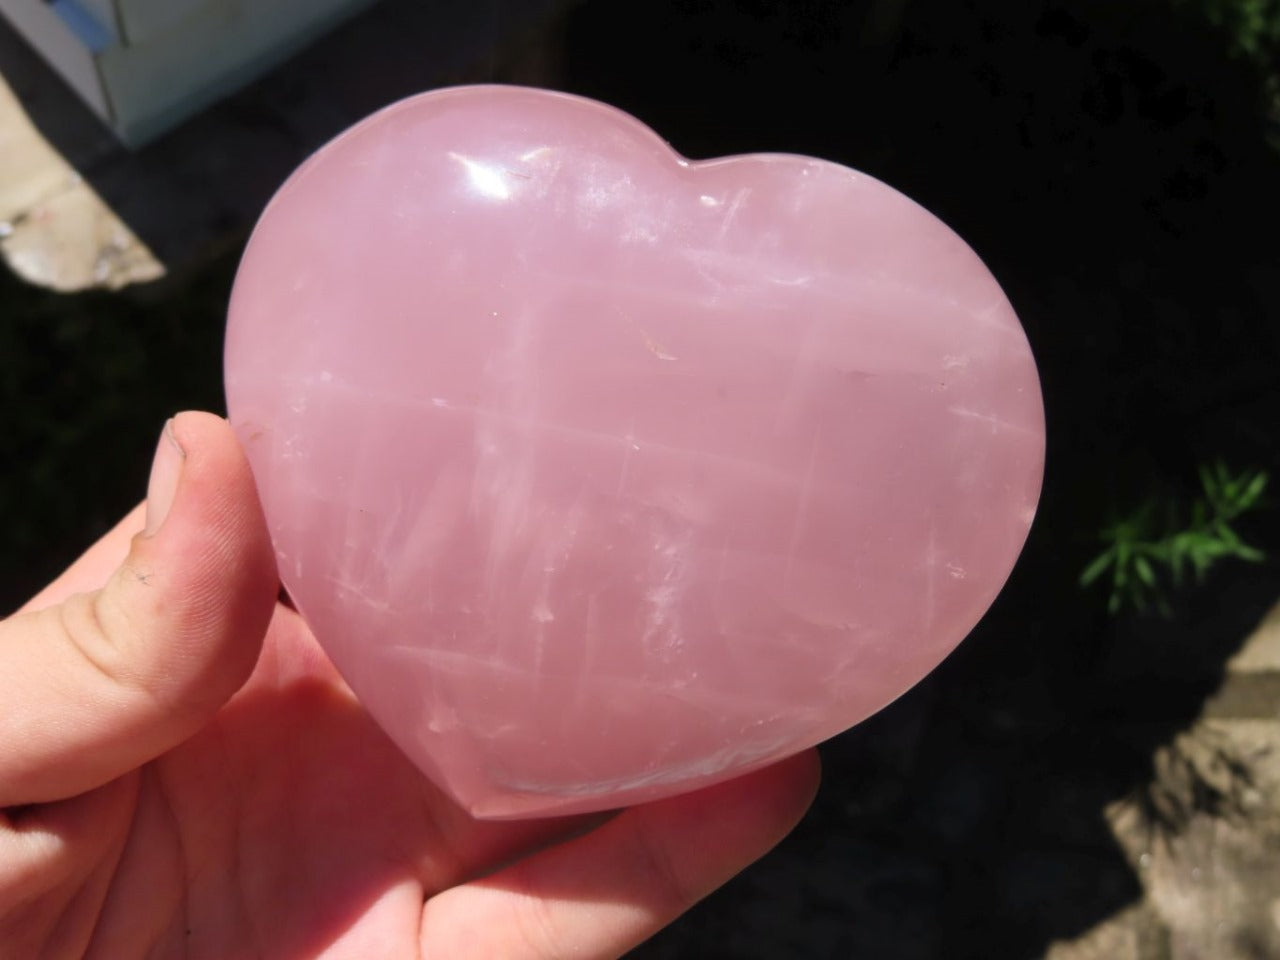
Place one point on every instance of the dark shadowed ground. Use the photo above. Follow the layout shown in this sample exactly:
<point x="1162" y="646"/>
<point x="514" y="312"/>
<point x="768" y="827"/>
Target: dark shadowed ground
<point x="1108" y="161"/>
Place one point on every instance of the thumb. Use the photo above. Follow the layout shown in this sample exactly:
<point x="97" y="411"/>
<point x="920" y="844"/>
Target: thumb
<point x="105" y="681"/>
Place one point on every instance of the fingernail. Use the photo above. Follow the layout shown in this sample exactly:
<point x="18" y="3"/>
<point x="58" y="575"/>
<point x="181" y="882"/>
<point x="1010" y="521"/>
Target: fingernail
<point x="166" y="469"/>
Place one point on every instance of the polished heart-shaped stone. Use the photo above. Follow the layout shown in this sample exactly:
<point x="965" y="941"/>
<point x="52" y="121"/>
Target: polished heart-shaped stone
<point x="601" y="474"/>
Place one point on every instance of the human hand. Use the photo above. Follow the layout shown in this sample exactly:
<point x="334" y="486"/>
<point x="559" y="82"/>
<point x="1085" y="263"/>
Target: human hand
<point x="173" y="784"/>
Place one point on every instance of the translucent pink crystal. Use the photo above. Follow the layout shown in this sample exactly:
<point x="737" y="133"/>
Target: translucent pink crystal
<point x="602" y="475"/>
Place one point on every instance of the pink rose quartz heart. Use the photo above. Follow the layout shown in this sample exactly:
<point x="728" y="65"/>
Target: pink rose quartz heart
<point x="603" y="475"/>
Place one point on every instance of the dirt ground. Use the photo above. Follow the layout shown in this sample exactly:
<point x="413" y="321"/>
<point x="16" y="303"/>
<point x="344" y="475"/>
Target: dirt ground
<point x="1069" y="784"/>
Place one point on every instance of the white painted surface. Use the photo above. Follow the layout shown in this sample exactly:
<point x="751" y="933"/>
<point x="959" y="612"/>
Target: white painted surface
<point x="177" y="56"/>
<point x="213" y="50"/>
<point x="46" y="31"/>
<point x="104" y="11"/>
<point x="140" y="20"/>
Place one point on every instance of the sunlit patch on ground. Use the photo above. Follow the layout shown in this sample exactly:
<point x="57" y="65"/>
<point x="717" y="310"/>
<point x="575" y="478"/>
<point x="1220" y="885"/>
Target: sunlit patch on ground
<point x="55" y="231"/>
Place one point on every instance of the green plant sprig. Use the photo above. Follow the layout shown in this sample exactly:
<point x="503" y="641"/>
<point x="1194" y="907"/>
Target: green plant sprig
<point x="1139" y="555"/>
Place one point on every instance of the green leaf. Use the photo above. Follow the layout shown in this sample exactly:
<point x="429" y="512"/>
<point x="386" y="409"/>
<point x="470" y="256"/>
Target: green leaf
<point x="1252" y="554"/>
<point x="1138" y="550"/>
<point x="1208" y="481"/>
<point x="1225" y="534"/>
<point x="1252" y="490"/>
<point x="1143" y="568"/>
<point x="1200" y="560"/>
<point x="1214" y="549"/>
<point x="1224" y="475"/>
<point x="1097" y="567"/>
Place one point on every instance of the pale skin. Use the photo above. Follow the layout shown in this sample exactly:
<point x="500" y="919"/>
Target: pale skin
<point x="184" y="774"/>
